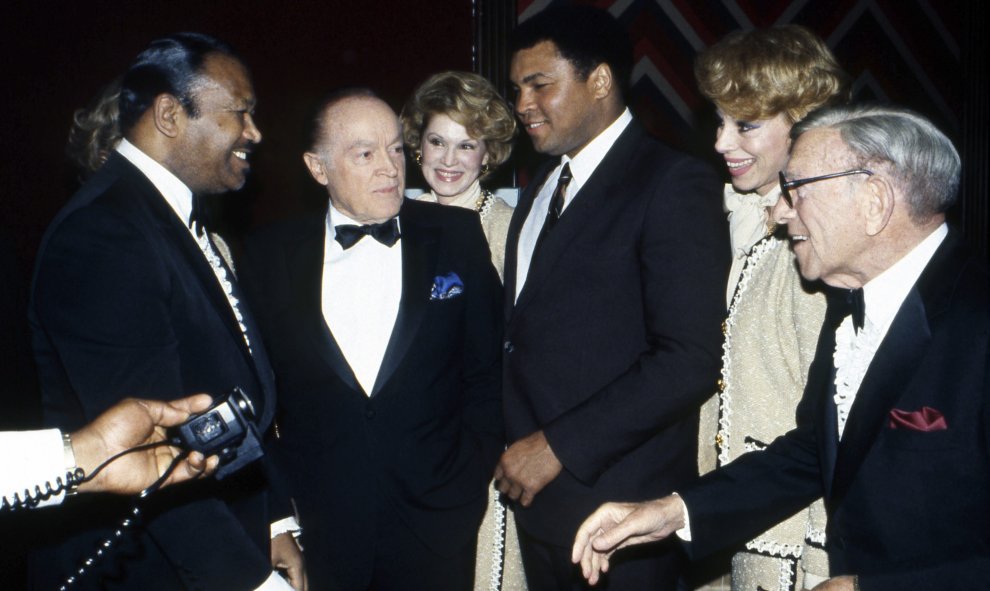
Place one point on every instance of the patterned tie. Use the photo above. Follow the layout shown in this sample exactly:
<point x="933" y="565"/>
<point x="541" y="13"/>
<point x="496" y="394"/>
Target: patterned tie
<point x="386" y="232"/>
<point x="556" y="206"/>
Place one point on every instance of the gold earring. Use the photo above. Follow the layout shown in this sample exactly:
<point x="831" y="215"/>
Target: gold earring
<point x="485" y="169"/>
<point x="418" y="157"/>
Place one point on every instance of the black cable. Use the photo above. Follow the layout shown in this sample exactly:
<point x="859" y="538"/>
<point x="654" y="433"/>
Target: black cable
<point x="128" y="523"/>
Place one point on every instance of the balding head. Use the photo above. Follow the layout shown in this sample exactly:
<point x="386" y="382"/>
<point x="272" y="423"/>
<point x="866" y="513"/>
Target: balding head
<point x="356" y="153"/>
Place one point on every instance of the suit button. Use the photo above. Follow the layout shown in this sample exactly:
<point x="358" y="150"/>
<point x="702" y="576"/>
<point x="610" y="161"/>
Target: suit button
<point x="369" y="413"/>
<point x="507" y="347"/>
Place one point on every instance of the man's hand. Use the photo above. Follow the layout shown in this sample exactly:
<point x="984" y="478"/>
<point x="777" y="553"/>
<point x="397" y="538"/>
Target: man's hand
<point x="526" y="467"/>
<point x="134" y="422"/>
<point x="617" y="525"/>
<point x="288" y="558"/>
<point x="845" y="583"/>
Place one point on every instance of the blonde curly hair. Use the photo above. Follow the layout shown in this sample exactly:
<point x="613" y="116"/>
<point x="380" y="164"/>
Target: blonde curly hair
<point x="758" y="74"/>
<point x="471" y="101"/>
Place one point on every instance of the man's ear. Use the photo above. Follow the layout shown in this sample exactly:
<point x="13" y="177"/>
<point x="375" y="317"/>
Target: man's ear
<point x="880" y="200"/>
<point x="316" y="167"/>
<point x="601" y="80"/>
<point x="168" y="114"/>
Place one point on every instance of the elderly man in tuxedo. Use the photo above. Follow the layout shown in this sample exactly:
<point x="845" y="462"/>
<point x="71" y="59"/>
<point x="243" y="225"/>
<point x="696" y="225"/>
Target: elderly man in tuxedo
<point x="893" y="428"/>
<point x="614" y="260"/>
<point x="382" y="319"/>
<point x="130" y="295"/>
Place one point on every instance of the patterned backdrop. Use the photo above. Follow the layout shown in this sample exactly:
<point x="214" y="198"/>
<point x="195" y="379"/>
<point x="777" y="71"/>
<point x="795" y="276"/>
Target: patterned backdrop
<point x="917" y="53"/>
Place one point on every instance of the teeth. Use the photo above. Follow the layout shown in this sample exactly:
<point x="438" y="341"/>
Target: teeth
<point x="798" y="238"/>
<point x="739" y="164"/>
<point x="534" y="125"/>
<point x="240" y="154"/>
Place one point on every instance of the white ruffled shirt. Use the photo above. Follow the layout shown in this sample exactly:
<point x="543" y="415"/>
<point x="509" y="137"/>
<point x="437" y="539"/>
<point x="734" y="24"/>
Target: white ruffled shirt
<point x="883" y="296"/>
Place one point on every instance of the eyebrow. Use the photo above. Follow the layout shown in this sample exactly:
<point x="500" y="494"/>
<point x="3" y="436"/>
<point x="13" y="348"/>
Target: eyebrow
<point x="533" y="76"/>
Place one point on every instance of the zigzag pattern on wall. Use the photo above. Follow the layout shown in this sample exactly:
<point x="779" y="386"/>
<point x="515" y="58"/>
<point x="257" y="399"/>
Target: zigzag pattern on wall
<point x="902" y="51"/>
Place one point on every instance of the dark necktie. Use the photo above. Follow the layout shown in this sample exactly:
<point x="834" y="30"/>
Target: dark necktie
<point x="855" y="306"/>
<point x="556" y="205"/>
<point x="197" y="217"/>
<point x="386" y="232"/>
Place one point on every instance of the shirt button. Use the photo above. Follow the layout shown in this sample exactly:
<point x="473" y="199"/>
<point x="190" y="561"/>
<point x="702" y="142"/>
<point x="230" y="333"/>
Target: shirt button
<point x="507" y="347"/>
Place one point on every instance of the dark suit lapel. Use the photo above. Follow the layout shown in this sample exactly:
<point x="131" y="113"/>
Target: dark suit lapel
<point x="585" y="206"/>
<point x="419" y="256"/>
<point x="519" y="216"/>
<point x="306" y="275"/>
<point x="896" y="362"/>
<point x="177" y="234"/>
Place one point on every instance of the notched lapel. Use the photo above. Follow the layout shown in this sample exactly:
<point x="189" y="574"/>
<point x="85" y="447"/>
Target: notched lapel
<point x="306" y="274"/>
<point x="419" y="260"/>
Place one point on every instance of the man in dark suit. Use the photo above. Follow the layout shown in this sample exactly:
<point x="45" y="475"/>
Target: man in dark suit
<point x="894" y="424"/>
<point x="128" y="298"/>
<point x="615" y="257"/>
<point x="382" y="319"/>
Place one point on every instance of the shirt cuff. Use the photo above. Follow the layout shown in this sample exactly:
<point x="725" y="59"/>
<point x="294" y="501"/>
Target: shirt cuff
<point x="275" y="582"/>
<point x="685" y="532"/>
<point x="33" y="458"/>
<point x="287" y="525"/>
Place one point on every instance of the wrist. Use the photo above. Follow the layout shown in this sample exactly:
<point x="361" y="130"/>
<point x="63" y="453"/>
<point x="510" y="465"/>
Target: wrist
<point x="86" y="453"/>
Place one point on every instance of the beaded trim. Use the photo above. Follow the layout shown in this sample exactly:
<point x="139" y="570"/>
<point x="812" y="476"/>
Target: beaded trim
<point x="485" y="204"/>
<point x="725" y="390"/>
<point x="498" y="547"/>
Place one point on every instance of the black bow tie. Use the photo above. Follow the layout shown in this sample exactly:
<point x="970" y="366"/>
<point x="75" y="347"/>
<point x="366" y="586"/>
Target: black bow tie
<point x="855" y="306"/>
<point x="197" y="216"/>
<point x="386" y="232"/>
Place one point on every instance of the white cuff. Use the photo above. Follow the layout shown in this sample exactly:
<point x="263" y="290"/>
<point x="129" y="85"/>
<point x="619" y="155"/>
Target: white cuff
<point x="275" y="582"/>
<point x="287" y="525"/>
<point x="685" y="532"/>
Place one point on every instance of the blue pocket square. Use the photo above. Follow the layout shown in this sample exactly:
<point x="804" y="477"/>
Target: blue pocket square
<point x="446" y="286"/>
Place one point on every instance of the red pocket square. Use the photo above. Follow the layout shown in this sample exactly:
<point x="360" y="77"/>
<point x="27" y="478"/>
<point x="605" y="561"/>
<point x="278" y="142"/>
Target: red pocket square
<point x="927" y="419"/>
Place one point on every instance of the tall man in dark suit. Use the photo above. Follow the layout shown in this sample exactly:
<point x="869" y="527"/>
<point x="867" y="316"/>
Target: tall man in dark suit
<point x="382" y="318"/>
<point x="615" y="257"/>
<point x="128" y="298"/>
<point x="894" y="426"/>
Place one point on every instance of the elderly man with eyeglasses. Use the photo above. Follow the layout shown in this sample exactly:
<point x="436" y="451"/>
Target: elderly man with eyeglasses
<point x="894" y="426"/>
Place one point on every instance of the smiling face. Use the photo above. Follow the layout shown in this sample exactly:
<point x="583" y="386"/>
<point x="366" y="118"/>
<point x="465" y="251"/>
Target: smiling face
<point x="212" y="149"/>
<point x="452" y="159"/>
<point x="361" y="160"/>
<point x="560" y="112"/>
<point x="827" y="226"/>
<point x="754" y="151"/>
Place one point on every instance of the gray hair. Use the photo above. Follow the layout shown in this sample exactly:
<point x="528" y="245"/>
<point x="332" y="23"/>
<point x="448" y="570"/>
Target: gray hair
<point x="924" y="163"/>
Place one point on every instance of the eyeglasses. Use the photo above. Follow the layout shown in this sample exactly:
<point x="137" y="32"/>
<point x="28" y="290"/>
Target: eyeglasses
<point x="786" y="185"/>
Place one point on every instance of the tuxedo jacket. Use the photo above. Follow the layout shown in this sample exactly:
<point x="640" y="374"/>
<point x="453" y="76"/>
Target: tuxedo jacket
<point x="908" y="508"/>
<point x="124" y="304"/>
<point x="423" y="444"/>
<point x="613" y="343"/>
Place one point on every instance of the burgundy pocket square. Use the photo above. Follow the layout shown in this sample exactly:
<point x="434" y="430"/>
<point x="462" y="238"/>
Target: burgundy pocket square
<point x="927" y="419"/>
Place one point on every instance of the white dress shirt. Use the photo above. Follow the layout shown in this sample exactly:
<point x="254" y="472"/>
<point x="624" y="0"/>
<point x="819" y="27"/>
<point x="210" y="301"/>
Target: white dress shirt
<point x="883" y="296"/>
<point x="582" y="166"/>
<point x="362" y="287"/>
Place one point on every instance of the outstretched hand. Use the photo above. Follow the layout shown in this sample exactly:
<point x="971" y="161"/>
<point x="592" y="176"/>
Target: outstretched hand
<point x="132" y="422"/>
<point x="617" y="525"/>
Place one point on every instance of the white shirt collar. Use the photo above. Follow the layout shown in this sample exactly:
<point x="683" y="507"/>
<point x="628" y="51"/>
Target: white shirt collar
<point x="175" y="192"/>
<point x="885" y="293"/>
<point x="587" y="160"/>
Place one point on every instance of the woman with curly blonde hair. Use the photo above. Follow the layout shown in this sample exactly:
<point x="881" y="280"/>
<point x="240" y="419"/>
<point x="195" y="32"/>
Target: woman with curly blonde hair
<point x="762" y="82"/>
<point x="459" y="130"/>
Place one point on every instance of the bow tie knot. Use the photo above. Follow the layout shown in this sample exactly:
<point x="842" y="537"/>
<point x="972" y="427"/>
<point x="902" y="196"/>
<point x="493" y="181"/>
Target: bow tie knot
<point x="855" y="306"/>
<point x="386" y="232"/>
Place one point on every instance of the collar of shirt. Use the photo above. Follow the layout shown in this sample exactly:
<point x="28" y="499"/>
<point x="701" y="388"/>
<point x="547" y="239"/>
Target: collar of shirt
<point x="587" y="160"/>
<point x="885" y="293"/>
<point x="175" y="192"/>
